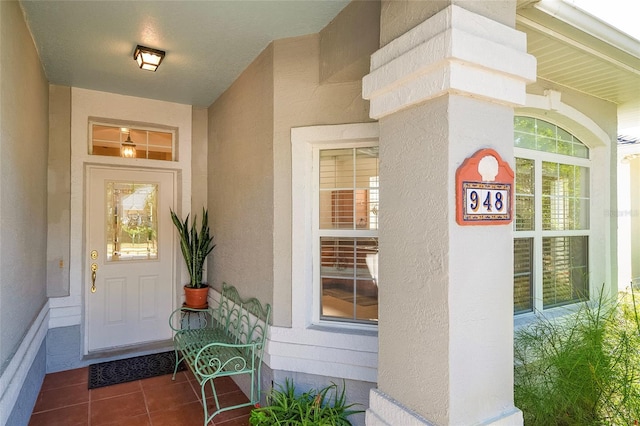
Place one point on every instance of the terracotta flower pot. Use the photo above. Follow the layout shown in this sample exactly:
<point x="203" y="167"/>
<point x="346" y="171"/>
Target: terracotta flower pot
<point x="196" y="297"/>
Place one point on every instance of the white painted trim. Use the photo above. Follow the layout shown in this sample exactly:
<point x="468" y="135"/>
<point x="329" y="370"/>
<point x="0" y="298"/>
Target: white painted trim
<point x="333" y="353"/>
<point x="575" y="122"/>
<point x="303" y="140"/>
<point x="13" y="377"/>
<point x="509" y="418"/>
<point x="88" y="104"/>
<point x="598" y="53"/>
<point x="64" y="316"/>
<point x="568" y="13"/>
<point x="386" y="411"/>
<point x="628" y="150"/>
<point x="538" y="233"/>
<point x="338" y="350"/>
<point x="455" y="51"/>
<point x="626" y="214"/>
<point x="65" y="311"/>
<point x="551" y="108"/>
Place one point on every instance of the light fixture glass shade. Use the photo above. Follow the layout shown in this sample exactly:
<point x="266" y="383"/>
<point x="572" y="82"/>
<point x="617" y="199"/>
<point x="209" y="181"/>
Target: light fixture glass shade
<point x="128" y="148"/>
<point x="148" y="58"/>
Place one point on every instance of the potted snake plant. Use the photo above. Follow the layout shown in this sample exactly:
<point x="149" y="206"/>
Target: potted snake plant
<point x="195" y="246"/>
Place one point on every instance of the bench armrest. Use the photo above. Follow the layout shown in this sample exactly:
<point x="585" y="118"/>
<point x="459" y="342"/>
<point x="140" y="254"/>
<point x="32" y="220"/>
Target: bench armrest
<point x="215" y="358"/>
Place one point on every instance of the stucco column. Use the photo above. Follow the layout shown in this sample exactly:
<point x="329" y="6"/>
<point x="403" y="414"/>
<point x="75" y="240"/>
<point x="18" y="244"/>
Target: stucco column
<point x="442" y="91"/>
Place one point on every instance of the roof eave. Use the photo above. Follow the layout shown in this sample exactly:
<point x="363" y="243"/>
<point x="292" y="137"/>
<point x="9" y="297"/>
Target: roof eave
<point x="589" y="24"/>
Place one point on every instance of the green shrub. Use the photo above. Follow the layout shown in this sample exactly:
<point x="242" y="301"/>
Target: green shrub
<point x="326" y="407"/>
<point x="582" y="369"/>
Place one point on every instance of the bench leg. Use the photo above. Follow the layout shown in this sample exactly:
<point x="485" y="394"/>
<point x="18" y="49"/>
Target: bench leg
<point x="203" y="386"/>
<point x="178" y="361"/>
<point x="255" y="381"/>
<point x="208" y="416"/>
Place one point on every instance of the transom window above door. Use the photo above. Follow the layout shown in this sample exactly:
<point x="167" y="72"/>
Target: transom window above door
<point x="131" y="142"/>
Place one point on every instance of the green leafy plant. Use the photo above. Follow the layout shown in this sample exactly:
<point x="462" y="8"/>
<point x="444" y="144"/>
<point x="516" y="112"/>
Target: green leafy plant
<point x="582" y="369"/>
<point x="286" y="407"/>
<point x="195" y="246"/>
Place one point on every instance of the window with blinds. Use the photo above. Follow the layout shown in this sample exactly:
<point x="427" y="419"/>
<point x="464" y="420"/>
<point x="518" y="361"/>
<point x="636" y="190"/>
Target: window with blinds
<point x="523" y="275"/>
<point x="347" y="231"/>
<point x="565" y="269"/>
<point x="565" y="196"/>
<point x="552" y="211"/>
<point x="525" y="201"/>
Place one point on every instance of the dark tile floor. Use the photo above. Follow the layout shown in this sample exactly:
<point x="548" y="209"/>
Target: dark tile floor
<point x="65" y="400"/>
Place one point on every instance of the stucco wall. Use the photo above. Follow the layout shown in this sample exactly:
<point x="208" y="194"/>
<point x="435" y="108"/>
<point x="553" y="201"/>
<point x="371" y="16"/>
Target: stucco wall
<point x="348" y="41"/>
<point x="199" y="160"/>
<point x="634" y="213"/>
<point x="399" y="16"/>
<point x="24" y="93"/>
<point x="300" y="100"/>
<point x="428" y="251"/>
<point x="250" y="125"/>
<point x="59" y="200"/>
<point x="240" y="182"/>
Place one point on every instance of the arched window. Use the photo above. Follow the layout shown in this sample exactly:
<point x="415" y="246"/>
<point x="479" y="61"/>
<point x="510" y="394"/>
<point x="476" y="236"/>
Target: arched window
<point x="551" y="227"/>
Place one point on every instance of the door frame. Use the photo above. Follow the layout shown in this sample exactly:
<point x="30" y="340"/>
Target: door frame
<point x="86" y="273"/>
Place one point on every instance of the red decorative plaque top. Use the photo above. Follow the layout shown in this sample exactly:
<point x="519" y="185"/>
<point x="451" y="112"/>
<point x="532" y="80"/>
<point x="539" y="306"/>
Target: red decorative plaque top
<point x="484" y="190"/>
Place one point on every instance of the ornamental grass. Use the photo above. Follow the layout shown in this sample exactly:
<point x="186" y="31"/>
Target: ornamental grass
<point x="581" y="369"/>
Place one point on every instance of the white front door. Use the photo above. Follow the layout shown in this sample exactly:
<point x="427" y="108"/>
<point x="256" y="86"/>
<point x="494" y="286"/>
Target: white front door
<point x="129" y="256"/>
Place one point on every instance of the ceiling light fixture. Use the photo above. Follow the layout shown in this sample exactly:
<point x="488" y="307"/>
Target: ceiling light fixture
<point x="148" y="58"/>
<point x="128" y="148"/>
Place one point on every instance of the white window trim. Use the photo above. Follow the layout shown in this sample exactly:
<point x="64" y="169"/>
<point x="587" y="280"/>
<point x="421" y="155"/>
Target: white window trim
<point x="551" y="109"/>
<point x="304" y="203"/>
<point x="331" y="348"/>
<point x="538" y="234"/>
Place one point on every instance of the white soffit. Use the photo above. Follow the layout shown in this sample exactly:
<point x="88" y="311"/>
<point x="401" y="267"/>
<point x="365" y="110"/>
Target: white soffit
<point x="575" y="50"/>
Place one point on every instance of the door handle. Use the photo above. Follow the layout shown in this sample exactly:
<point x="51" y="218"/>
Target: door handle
<point x="94" y="268"/>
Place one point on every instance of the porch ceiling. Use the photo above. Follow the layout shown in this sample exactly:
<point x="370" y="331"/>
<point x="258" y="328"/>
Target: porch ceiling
<point x="90" y="44"/>
<point x="572" y="55"/>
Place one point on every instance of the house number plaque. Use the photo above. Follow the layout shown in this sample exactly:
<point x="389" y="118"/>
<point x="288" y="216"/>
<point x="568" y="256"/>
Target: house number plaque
<point x="484" y="190"/>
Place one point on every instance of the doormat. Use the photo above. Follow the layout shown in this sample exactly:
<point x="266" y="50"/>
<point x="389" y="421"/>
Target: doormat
<point x="131" y="369"/>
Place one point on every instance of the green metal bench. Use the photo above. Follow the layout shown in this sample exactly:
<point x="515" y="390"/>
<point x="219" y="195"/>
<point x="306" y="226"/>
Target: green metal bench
<point x="225" y="340"/>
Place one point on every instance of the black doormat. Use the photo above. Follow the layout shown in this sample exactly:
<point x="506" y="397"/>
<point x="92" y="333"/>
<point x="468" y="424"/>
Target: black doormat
<point x="130" y="369"/>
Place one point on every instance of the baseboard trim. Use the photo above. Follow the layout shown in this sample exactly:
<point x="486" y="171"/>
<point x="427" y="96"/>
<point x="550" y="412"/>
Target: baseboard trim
<point x="13" y="378"/>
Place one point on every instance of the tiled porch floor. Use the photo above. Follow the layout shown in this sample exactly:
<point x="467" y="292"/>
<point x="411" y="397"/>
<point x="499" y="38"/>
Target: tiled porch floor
<point x="64" y="400"/>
